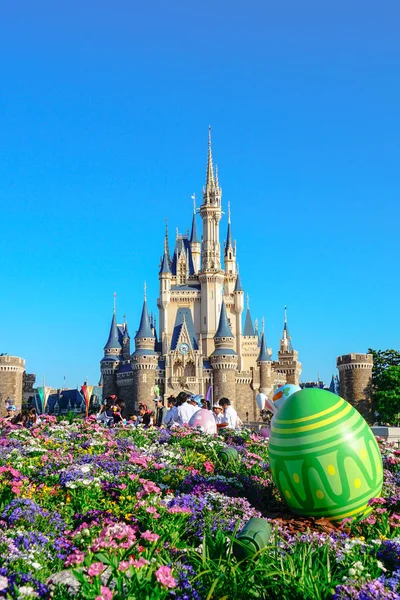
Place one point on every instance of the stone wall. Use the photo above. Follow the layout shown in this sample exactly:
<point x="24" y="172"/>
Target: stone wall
<point x="224" y="385"/>
<point x="245" y="402"/>
<point x="355" y="372"/>
<point x="12" y="369"/>
<point x="143" y="383"/>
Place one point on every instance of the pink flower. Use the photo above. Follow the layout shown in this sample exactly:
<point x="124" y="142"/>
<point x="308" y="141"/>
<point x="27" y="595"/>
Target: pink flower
<point x="209" y="467"/>
<point x="150" y="537"/>
<point x="164" y="576"/>
<point x="76" y="558"/>
<point x="179" y="509"/>
<point x="124" y="565"/>
<point x="95" y="569"/>
<point x="106" y="593"/>
<point x="141" y="562"/>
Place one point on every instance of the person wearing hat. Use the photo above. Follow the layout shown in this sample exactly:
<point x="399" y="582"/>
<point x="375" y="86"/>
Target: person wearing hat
<point x="160" y="411"/>
<point x="218" y="414"/>
<point x="11" y="412"/>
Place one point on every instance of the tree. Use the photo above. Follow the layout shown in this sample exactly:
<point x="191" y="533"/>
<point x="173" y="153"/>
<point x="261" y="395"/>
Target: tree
<point x="387" y="395"/>
<point x="385" y="385"/>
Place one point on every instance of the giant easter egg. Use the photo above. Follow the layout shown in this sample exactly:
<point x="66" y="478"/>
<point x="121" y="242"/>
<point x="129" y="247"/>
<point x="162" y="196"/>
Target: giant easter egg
<point x="282" y="393"/>
<point x="324" y="457"/>
<point x="204" y="420"/>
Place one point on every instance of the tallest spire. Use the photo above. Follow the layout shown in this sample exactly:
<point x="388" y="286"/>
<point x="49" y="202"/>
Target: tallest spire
<point x="210" y="183"/>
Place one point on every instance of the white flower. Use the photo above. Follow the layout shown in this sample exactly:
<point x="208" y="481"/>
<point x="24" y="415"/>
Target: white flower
<point x="27" y="590"/>
<point x="85" y="468"/>
<point x="352" y="572"/>
<point x="380" y="566"/>
<point x="3" y="583"/>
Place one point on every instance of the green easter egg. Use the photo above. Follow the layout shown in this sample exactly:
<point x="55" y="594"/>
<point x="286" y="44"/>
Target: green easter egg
<point x="324" y="458"/>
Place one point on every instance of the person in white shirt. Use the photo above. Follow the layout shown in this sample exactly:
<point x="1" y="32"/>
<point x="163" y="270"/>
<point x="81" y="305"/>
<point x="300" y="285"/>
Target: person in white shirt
<point x="218" y="414"/>
<point x="185" y="409"/>
<point x="171" y="416"/>
<point x="230" y="415"/>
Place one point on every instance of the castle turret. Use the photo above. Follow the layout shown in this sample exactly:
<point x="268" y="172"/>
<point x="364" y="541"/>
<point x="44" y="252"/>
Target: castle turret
<point x="224" y="360"/>
<point x="288" y="362"/>
<point x="229" y="259"/>
<point x="126" y="342"/>
<point x="238" y="295"/>
<point x="144" y="361"/>
<point x="211" y="276"/>
<point x="164" y="299"/>
<point x="112" y="358"/>
<point x="355" y="373"/>
<point x="12" y="370"/>
<point x="265" y="364"/>
<point x="195" y="242"/>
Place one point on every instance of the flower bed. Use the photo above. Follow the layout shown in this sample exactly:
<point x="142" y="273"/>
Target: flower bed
<point x="93" y="513"/>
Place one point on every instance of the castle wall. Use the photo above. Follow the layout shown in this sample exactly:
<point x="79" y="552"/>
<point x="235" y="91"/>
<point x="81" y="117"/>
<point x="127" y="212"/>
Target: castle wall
<point x="245" y="402"/>
<point x="355" y="373"/>
<point x="143" y="383"/>
<point x="224" y="385"/>
<point x="11" y="377"/>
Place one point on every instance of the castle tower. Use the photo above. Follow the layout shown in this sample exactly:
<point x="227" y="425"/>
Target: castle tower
<point x="224" y="360"/>
<point x="144" y="362"/>
<point x="164" y="299"/>
<point x="250" y="349"/>
<point x="238" y="294"/>
<point x="211" y="276"/>
<point x="355" y="373"/>
<point x="195" y="242"/>
<point x="12" y="370"/>
<point x="265" y="365"/>
<point x="112" y="359"/>
<point x="126" y="342"/>
<point x="229" y="259"/>
<point x="288" y="363"/>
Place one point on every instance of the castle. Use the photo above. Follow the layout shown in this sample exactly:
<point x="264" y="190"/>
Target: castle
<point x="201" y="340"/>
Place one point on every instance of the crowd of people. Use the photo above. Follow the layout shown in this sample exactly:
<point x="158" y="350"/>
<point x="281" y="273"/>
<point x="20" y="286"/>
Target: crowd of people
<point x="26" y="418"/>
<point x="177" y="413"/>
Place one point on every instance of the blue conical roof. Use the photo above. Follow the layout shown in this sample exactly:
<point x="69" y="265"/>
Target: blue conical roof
<point x="248" y="325"/>
<point x="113" y="339"/>
<point x="224" y="330"/>
<point x="263" y="356"/>
<point x="126" y="332"/>
<point x="194" y="238"/>
<point x="228" y="238"/>
<point x="238" y="285"/>
<point x="144" y="330"/>
<point x="165" y="268"/>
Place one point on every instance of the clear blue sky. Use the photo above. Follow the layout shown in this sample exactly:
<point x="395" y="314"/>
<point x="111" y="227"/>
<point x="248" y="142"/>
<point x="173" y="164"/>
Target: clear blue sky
<point x="104" y="108"/>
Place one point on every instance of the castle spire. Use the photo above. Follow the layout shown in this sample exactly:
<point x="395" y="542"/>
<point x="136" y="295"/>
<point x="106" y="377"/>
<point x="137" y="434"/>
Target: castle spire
<point x="113" y="342"/>
<point x="248" y="324"/>
<point x="286" y="342"/>
<point x="224" y="329"/>
<point x="228" y="245"/>
<point x="194" y="238"/>
<point x="210" y="183"/>
<point x="144" y="330"/>
<point x="263" y="356"/>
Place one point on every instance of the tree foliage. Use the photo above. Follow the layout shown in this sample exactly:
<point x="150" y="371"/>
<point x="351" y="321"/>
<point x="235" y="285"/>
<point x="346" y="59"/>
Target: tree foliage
<point x="385" y="385"/>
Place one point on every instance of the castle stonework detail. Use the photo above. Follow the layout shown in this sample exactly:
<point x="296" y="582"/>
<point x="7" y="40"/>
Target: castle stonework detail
<point x="355" y="373"/>
<point x="12" y="370"/>
<point x="201" y="340"/>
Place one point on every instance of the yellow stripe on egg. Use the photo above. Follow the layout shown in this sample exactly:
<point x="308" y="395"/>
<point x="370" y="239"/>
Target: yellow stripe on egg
<point x="318" y="425"/>
<point x="311" y="417"/>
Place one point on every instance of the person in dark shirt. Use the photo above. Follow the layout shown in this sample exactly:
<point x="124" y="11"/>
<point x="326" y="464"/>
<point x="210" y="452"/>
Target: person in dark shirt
<point x="159" y="404"/>
<point x="144" y="415"/>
